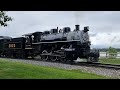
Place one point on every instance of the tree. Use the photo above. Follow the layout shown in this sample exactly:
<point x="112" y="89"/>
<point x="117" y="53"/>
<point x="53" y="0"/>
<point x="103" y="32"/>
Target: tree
<point x="112" y="52"/>
<point x="4" y="18"/>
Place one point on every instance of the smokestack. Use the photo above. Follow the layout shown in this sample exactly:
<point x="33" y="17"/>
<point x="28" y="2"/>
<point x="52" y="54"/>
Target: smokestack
<point x="77" y="27"/>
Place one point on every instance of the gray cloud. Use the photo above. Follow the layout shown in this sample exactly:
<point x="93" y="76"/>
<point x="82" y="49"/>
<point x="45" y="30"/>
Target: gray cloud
<point x="104" y="25"/>
<point x="93" y="34"/>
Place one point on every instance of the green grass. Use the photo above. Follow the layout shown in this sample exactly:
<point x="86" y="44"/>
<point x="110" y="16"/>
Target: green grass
<point x="17" y="70"/>
<point x="110" y="61"/>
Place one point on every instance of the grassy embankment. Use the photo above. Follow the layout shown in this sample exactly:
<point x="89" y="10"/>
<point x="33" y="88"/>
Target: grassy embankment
<point x="17" y="70"/>
<point x="110" y="61"/>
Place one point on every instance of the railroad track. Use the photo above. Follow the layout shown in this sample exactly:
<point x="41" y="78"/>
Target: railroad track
<point x="108" y="66"/>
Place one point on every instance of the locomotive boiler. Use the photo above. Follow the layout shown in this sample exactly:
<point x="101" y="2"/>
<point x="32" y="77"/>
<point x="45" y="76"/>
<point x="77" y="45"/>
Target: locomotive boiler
<point x="66" y="34"/>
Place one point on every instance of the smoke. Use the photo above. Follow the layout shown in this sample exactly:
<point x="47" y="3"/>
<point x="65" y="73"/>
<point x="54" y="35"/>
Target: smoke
<point x="93" y="34"/>
<point x="113" y="38"/>
<point x="76" y="18"/>
<point x="79" y="16"/>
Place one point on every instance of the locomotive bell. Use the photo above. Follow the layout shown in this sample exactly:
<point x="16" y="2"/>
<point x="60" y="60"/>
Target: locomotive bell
<point x="77" y="27"/>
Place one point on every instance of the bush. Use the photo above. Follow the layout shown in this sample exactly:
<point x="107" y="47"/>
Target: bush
<point x="112" y="52"/>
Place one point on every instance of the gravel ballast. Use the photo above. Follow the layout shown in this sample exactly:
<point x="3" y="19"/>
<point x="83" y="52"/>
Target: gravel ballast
<point x="96" y="70"/>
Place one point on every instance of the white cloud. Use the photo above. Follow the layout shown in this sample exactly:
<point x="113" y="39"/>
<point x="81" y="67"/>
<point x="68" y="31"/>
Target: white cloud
<point x="106" y="40"/>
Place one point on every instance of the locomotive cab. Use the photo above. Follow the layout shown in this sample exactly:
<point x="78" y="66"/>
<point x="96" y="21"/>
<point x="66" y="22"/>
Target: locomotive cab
<point x="28" y="40"/>
<point x="33" y="38"/>
<point x="36" y="37"/>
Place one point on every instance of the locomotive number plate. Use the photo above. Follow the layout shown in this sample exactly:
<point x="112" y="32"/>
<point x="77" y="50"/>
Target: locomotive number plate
<point x="11" y="45"/>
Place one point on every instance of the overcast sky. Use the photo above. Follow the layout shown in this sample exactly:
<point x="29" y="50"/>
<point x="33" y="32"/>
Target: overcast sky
<point x="104" y="25"/>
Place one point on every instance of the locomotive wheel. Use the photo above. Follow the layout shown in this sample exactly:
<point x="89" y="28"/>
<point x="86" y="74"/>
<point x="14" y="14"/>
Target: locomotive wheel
<point x="92" y="59"/>
<point x="96" y="59"/>
<point x="63" y="60"/>
<point x="38" y="57"/>
<point x="44" y="57"/>
<point x="53" y="58"/>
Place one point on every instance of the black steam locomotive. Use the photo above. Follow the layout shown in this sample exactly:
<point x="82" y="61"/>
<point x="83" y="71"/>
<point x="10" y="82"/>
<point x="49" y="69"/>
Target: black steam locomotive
<point x="54" y="45"/>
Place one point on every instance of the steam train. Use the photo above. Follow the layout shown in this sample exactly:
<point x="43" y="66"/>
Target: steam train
<point x="55" y="45"/>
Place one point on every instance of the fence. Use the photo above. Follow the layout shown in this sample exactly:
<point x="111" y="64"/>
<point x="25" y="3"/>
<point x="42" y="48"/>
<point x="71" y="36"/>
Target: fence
<point x="106" y="55"/>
